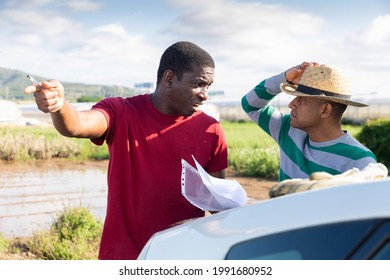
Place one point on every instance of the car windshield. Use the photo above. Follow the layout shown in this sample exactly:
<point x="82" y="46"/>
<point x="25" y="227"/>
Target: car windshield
<point x="326" y="242"/>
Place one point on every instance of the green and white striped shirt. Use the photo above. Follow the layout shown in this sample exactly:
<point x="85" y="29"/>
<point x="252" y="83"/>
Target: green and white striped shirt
<point x="299" y="156"/>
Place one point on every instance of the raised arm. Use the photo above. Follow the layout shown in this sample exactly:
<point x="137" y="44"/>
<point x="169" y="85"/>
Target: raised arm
<point x="294" y="74"/>
<point x="49" y="98"/>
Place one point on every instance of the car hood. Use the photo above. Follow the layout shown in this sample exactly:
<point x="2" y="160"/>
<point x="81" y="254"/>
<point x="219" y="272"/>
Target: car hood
<point x="211" y="237"/>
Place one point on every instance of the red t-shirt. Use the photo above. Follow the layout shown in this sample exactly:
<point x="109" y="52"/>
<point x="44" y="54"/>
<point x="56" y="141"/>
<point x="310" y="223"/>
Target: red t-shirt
<point x="144" y="172"/>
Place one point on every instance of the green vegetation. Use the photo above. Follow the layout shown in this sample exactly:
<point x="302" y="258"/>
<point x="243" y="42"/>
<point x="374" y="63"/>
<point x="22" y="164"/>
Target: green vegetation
<point x="74" y="235"/>
<point x="26" y="143"/>
<point x="86" y="98"/>
<point x="375" y="135"/>
<point x="252" y="152"/>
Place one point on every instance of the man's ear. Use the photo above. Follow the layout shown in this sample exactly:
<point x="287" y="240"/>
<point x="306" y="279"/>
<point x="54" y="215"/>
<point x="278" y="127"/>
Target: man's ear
<point x="326" y="110"/>
<point x="168" y="77"/>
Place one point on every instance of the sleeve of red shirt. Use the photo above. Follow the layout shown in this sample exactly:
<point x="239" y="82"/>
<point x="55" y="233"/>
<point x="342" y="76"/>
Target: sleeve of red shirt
<point x="111" y="108"/>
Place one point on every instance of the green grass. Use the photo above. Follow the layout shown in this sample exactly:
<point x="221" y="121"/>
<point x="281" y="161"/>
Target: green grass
<point x="246" y="134"/>
<point x="252" y="152"/>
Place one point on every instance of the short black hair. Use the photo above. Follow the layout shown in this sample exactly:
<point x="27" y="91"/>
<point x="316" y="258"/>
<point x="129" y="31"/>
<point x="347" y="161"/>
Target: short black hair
<point x="182" y="57"/>
<point x="339" y="108"/>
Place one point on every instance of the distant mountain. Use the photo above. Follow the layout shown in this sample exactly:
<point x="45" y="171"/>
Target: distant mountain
<point x="13" y="82"/>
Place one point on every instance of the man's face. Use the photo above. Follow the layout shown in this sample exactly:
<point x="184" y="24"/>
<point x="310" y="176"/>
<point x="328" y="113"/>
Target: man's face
<point x="306" y="112"/>
<point x="188" y="93"/>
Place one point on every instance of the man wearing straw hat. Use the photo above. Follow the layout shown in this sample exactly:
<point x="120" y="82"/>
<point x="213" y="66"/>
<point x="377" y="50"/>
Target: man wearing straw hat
<point x="310" y="137"/>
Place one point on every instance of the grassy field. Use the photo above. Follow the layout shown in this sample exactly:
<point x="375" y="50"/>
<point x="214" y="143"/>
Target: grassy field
<point x="252" y="153"/>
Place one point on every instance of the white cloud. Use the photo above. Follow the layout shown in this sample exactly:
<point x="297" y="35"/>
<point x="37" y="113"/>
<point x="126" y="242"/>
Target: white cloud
<point x="74" y="5"/>
<point x="234" y="26"/>
<point x="81" y="5"/>
<point x="378" y="32"/>
<point x="108" y="54"/>
<point x="22" y="4"/>
<point x="56" y="46"/>
<point x="364" y="55"/>
<point x="46" y="23"/>
<point x="249" y="41"/>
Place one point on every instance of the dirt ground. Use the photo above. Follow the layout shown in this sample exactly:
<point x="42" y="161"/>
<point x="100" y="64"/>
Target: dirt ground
<point x="256" y="188"/>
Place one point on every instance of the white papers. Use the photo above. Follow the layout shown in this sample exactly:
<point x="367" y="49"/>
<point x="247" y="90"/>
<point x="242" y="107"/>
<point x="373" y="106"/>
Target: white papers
<point x="209" y="193"/>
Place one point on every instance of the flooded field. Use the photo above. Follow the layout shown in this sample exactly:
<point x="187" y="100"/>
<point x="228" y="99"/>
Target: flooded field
<point x="31" y="194"/>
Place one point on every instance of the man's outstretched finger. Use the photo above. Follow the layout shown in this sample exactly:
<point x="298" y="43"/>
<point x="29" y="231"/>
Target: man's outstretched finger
<point x="30" y="89"/>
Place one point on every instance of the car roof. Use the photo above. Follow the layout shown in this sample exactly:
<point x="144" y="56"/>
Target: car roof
<point x="211" y="237"/>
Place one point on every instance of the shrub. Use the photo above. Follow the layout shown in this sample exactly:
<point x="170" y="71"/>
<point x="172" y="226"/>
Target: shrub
<point x="76" y="223"/>
<point x="375" y="135"/>
<point x="74" y="235"/>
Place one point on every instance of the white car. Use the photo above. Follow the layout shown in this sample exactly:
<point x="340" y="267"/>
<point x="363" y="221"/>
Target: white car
<point x="342" y="222"/>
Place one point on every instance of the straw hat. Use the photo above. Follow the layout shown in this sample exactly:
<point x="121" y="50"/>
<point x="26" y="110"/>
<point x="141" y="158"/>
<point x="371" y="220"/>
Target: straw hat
<point x="323" y="82"/>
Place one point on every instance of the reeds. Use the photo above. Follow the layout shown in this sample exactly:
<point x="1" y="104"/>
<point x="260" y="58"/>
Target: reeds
<point x="26" y="143"/>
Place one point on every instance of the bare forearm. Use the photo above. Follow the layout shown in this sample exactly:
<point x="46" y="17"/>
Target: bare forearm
<point x="81" y="124"/>
<point x="67" y="121"/>
<point x="49" y="97"/>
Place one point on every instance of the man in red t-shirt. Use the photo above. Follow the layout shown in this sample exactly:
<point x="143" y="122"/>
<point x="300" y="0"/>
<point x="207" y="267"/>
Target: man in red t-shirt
<point x="147" y="136"/>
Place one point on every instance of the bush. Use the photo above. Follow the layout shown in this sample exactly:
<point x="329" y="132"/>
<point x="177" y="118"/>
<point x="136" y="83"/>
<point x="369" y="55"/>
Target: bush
<point x="74" y="235"/>
<point x="76" y="223"/>
<point x="375" y="135"/>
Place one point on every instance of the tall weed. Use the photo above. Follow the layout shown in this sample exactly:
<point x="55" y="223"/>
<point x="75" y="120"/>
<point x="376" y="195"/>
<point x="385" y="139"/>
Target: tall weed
<point x="26" y="143"/>
<point x="74" y="235"/>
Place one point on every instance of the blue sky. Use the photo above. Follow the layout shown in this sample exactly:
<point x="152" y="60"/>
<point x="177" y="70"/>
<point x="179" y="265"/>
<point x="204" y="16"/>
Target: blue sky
<point x="120" y="42"/>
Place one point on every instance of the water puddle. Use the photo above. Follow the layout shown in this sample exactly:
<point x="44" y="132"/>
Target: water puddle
<point x="31" y="195"/>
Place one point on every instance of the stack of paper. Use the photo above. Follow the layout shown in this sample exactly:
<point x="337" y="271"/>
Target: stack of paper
<point x="209" y="193"/>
